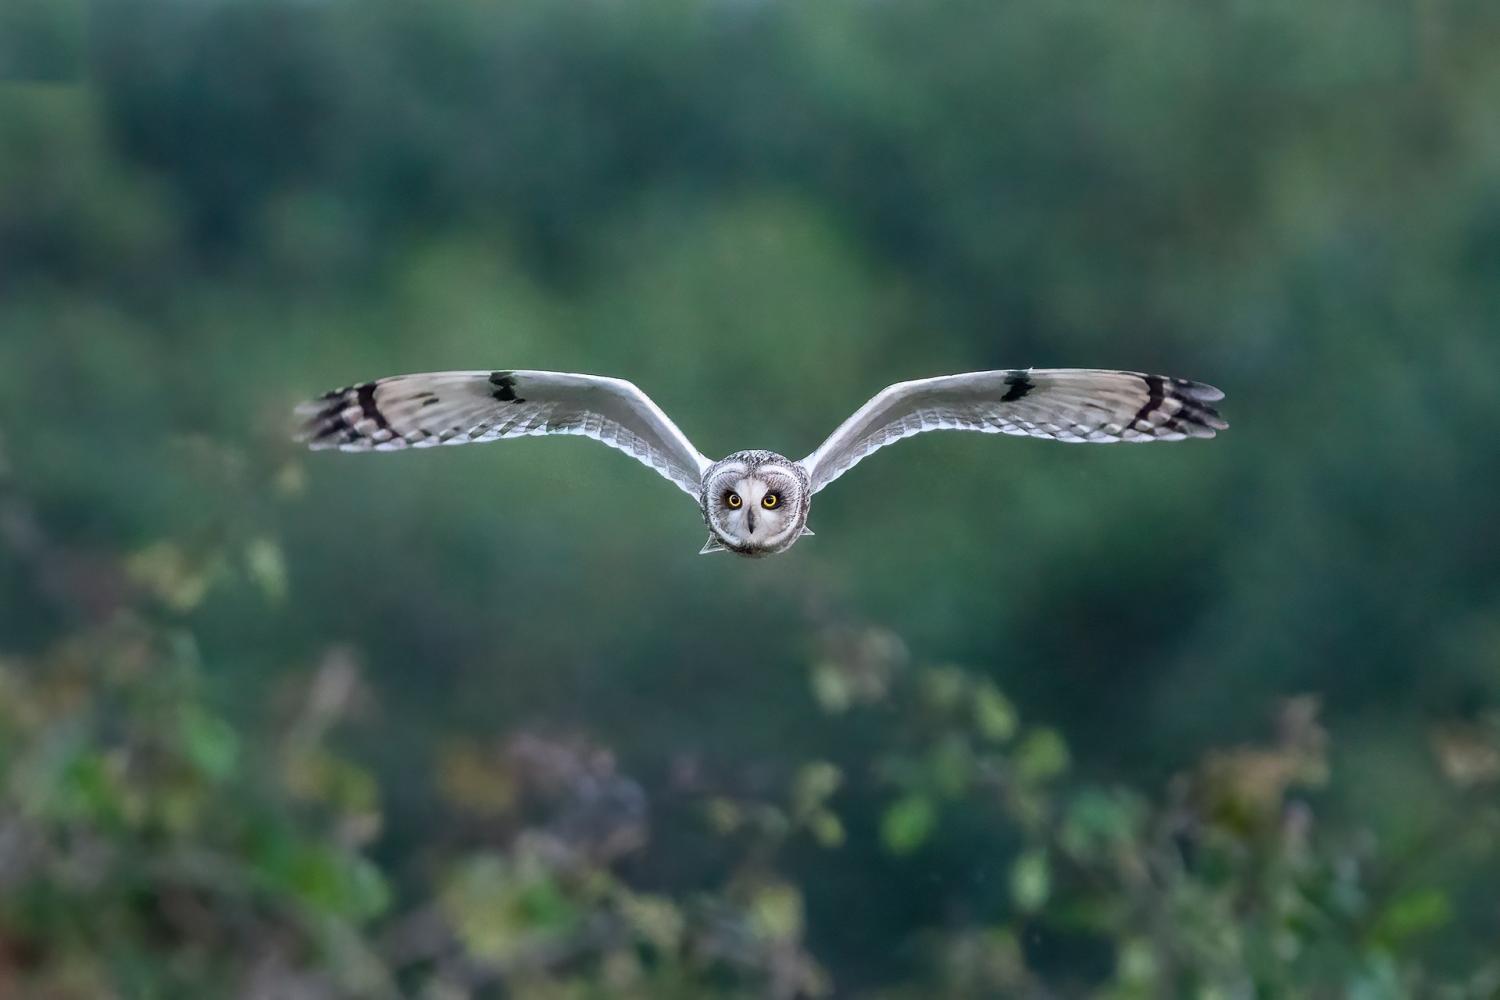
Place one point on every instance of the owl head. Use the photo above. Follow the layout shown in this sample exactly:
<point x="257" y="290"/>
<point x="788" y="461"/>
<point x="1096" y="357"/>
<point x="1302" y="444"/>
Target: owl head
<point x="755" y="504"/>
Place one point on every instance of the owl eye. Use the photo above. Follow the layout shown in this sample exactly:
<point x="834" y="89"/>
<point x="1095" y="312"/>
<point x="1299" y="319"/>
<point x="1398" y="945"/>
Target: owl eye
<point x="733" y="501"/>
<point x="769" y="501"/>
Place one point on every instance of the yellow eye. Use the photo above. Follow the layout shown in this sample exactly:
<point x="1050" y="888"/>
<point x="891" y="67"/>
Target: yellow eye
<point x="733" y="500"/>
<point x="769" y="501"/>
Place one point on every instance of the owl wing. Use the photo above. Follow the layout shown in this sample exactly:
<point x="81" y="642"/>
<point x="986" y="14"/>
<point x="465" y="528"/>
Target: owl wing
<point x="1064" y="404"/>
<point x="420" y="411"/>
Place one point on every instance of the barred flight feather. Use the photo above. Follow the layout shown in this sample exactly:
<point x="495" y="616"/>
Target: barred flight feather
<point x="449" y="408"/>
<point x="756" y="503"/>
<point x="1074" y="405"/>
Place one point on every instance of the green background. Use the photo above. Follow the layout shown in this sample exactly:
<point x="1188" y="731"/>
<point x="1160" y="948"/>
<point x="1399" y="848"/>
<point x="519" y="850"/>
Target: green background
<point x="481" y="722"/>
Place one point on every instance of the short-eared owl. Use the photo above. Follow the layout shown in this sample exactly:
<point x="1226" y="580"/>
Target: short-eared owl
<point x="755" y="503"/>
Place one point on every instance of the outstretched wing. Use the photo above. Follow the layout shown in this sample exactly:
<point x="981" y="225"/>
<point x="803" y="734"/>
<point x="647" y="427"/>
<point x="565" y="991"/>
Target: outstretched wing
<point x="420" y="411"/>
<point x="1064" y="404"/>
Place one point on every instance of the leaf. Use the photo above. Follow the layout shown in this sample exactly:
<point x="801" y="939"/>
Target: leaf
<point x="368" y="892"/>
<point x="210" y="743"/>
<point x="1041" y="756"/>
<point x="336" y="883"/>
<point x="1031" y="881"/>
<point x="1098" y="821"/>
<point x="944" y="687"/>
<point x="994" y="715"/>
<point x="87" y="788"/>
<point x="776" y="912"/>
<point x="1136" y="964"/>
<point x="474" y="900"/>
<point x="907" y="824"/>
<point x="476" y="782"/>
<point x="1414" y="913"/>
<point x="724" y="815"/>
<point x="815" y="783"/>
<point x="266" y="566"/>
<point x="655" y="919"/>
<point x="178" y="579"/>
<point x="831" y="688"/>
<point x="950" y="765"/>
<point x="827" y="829"/>
<point x="500" y="907"/>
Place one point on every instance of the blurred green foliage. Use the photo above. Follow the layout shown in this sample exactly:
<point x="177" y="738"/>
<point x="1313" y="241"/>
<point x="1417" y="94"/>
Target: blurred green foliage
<point x="148" y="850"/>
<point x="482" y="723"/>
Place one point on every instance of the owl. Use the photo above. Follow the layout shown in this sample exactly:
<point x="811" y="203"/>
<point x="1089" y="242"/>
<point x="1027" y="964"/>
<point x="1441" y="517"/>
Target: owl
<point x="755" y="503"/>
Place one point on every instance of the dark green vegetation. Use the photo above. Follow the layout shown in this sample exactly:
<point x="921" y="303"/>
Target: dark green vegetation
<point x="480" y="722"/>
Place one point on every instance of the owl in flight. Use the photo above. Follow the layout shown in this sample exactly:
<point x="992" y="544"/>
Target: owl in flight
<point x="755" y="503"/>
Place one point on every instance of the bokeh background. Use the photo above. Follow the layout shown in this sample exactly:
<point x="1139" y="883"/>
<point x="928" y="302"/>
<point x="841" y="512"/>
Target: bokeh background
<point x="1210" y="720"/>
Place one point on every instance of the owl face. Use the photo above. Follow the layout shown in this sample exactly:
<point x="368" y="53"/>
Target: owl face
<point x="755" y="503"/>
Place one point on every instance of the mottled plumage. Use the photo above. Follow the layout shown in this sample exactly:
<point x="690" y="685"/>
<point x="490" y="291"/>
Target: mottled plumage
<point x="755" y="503"/>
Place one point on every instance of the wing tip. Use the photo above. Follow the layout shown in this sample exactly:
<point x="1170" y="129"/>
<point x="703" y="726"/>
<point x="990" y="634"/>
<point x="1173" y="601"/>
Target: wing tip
<point x="1199" y="391"/>
<point x="1197" y="417"/>
<point x="322" y="421"/>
